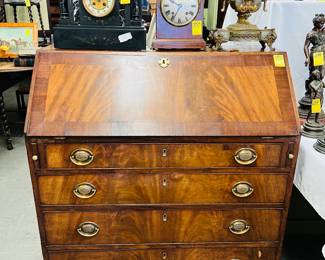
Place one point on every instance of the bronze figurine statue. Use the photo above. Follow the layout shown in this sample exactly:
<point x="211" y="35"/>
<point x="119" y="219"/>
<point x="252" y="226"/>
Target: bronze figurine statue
<point x="312" y="127"/>
<point x="314" y="43"/>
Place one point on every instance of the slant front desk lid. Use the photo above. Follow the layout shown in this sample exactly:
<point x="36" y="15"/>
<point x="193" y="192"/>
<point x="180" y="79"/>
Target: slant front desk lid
<point x="134" y="94"/>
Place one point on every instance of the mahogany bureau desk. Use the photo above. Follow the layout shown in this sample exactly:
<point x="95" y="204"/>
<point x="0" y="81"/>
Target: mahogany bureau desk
<point x="161" y="155"/>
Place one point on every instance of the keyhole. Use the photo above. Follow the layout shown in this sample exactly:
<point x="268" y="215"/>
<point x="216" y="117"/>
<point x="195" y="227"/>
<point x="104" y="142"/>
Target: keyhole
<point x="164" y="182"/>
<point x="164" y="152"/>
<point x="165" y="218"/>
<point x="164" y="255"/>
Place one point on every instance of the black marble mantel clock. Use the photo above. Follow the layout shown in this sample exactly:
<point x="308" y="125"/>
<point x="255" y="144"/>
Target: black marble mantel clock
<point x="100" y="25"/>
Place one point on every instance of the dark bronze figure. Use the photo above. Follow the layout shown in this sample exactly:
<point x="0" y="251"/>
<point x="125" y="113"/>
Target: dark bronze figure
<point x="312" y="127"/>
<point x="314" y="43"/>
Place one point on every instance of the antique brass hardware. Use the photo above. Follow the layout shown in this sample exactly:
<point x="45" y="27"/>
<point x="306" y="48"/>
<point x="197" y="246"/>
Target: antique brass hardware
<point x="81" y="156"/>
<point x="88" y="229"/>
<point x="259" y="254"/>
<point x="291" y="156"/>
<point x="84" y="190"/>
<point x="164" y="182"/>
<point x="164" y="152"/>
<point x="245" y="156"/>
<point x="165" y="217"/>
<point x="164" y="255"/>
<point x="164" y="62"/>
<point x="239" y="227"/>
<point x="242" y="189"/>
<point x="34" y="157"/>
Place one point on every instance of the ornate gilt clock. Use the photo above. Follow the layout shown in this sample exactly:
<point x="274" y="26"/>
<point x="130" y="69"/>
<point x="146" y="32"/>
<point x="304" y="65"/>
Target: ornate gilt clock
<point x="179" y="24"/>
<point x="101" y="25"/>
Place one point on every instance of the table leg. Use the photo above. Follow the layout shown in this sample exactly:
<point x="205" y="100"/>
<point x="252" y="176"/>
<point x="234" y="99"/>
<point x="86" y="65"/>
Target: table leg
<point x="6" y="129"/>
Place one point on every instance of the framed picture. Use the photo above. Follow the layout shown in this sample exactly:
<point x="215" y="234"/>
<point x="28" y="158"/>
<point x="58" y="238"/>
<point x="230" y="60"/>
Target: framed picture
<point x="18" y="39"/>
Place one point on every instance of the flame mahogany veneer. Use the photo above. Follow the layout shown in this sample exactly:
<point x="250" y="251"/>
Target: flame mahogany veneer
<point x="130" y="160"/>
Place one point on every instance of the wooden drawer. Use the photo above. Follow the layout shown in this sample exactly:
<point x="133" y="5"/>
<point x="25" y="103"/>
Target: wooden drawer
<point x="161" y="226"/>
<point x="144" y="188"/>
<point x="171" y="254"/>
<point x="159" y="155"/>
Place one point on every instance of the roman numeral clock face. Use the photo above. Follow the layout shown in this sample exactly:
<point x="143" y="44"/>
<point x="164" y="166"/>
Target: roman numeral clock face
<point x="98" y="8"/>
<point x="179" y="12"/>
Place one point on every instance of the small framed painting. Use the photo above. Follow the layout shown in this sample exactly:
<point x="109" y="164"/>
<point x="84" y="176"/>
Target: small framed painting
<point x="18" y="39"/>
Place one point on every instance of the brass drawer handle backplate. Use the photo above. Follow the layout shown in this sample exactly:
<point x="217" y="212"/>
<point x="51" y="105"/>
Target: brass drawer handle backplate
<point x="245" y="156"/>
<point x="81" y="156"/>
<point x="242" y="189"/>
<point x="84" y="190"/>
<point x="88" y="229"/>
<point x="239" y="227"/>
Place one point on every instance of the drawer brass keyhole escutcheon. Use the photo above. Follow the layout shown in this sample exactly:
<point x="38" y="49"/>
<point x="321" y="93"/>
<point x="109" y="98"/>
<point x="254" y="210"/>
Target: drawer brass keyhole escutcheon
<point x="164" y="255"/>
<point x="88" y="229"/>
<point x="245" y="156"/>
<point x="165" y="217"/>
<point x="164" y="62"/>
<point x="164" y="152"/>
<point x="84" y="190"/>
<point x="81" y="157"/>
<point x="239" y="227"/>
<point x="164" y="182"/>
<point x="242" y="189"/>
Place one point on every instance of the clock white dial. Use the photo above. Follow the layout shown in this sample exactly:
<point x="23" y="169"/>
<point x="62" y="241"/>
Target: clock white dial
<point x="179" y="12"/>
<point x="99" y="8"/>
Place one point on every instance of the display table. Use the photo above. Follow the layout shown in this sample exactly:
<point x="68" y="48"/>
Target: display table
<point x="292" y="21"/>
<point x="310" y="176"/>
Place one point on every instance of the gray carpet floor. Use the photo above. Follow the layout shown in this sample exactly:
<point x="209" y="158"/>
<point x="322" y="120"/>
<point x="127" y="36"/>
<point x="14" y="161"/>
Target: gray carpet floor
<point x="19" y="238"/>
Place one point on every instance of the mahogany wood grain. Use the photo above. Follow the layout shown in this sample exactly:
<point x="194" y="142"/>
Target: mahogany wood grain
<point x="151" y="155"/>
<point x="80" y="93"/>
<point x="148" y="226"/>
<point x="144" y="188"/>
<point x="171" y="254"/>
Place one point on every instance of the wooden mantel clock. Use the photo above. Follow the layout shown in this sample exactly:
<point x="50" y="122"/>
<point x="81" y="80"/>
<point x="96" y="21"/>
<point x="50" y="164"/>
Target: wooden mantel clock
<point x="179" y="24"/>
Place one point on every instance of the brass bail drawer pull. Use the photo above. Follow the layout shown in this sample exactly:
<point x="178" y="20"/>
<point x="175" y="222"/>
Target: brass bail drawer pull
<point x="245" y="156"/>
<point x="88" y="229"/>
<point x="242" y="189"/>
<point x="239" y="227"/>
<point x="81" y="156"/>
<point x="84" y="190"/>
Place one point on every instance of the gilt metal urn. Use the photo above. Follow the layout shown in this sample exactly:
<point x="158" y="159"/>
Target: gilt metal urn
<point x="243" y="30"/>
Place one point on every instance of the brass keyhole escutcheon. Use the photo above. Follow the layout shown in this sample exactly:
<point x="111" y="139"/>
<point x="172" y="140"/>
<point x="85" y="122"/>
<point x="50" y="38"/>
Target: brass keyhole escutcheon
<point x="164" y="182"/>
<point x="84" y="190"/>
<point x="239" y="227"/>
<point x="164" y="62"/>
<point x="81" y="157"/>
<point x="164" y="255"/>
<point x="245" y="156"/>
<point x="164" y="217"/>
<point x="88" y="229"/>
<point x="242" y="189"/>
<point x="164" y="152"/>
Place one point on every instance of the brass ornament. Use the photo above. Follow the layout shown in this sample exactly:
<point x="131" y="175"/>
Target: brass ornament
<point x="88" y="229"/>
<point x="34" y="157"/>
<point x="84" y="190"/>
<point x="242" y="189"/>
<point x="164" y="62"/>
<point x="239" y="227"/>
<point x="243" y="30"/>
<point x="245" y="156"/>
<point x="81" y="157"/>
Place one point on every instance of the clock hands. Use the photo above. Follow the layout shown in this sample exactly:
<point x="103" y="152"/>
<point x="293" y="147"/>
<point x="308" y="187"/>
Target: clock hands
<point x="179" y="6"/>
